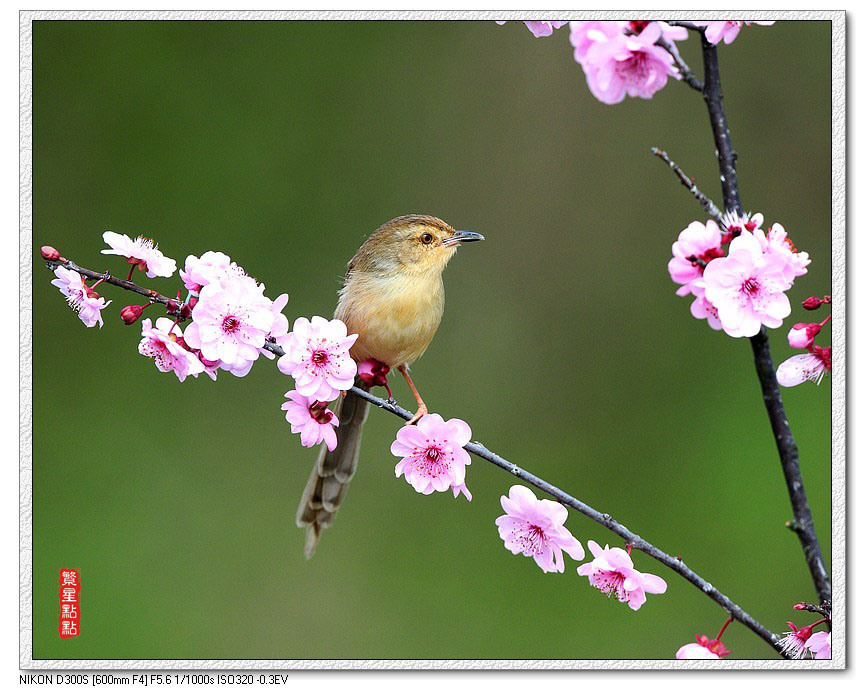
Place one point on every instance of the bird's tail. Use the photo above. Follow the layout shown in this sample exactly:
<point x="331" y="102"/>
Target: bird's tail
<point x="328" y="482"/>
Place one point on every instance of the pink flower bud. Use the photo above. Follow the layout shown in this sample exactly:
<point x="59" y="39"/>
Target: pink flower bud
<point x="813" y="303"/>
<point x="131" y="314"/>
<point x="801" y="336"/>
<point x="50" y="254"/>
<point x="172" y="306"/>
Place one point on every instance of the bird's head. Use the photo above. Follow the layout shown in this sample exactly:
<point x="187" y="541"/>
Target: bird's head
<point x="415" y="244"/>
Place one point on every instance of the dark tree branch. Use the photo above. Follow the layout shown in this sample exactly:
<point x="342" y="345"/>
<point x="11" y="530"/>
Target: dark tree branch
<point x="478" y="449"/>
<point x="803" y="523"/>
<point x="689" y="183"/>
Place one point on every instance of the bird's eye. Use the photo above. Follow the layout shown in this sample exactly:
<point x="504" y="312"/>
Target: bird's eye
<point x="426" y="238"/>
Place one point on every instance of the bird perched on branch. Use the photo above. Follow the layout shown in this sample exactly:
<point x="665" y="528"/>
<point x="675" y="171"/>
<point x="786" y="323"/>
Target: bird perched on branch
<point x="393" y="298"/>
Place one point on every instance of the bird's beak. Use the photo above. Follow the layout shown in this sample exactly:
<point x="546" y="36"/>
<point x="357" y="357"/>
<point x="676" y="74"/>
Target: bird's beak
<point x="461" y="236"/>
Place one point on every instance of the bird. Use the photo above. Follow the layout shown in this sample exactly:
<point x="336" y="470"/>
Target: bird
<point x="393" y="297"/>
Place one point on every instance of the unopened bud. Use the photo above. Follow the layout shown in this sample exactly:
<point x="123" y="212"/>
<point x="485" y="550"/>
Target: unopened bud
<point x="171" y="306"/>
<point x="50" y="254"/>
<point x="131" y="314"/>
<point x="185" y="311"/>
<point x="800" y="607"/>
<point x="812" y="303"/>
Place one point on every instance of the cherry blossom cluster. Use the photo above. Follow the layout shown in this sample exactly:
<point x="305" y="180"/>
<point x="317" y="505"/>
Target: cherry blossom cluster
<point x="812" y="365"/>
<point x="631" y="58"/>
<point x="744" y="289"/>
<point x="535" y="528"/>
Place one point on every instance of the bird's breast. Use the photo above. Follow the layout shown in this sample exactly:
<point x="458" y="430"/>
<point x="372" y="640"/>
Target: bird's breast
<point x="395" y="317"/>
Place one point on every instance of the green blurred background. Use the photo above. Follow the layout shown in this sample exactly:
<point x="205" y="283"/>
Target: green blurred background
<point x="563" y="344"/>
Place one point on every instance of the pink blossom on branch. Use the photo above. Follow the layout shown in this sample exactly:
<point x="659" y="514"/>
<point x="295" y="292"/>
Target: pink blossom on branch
<point x="795" y="642"/>
<point x="317" y="356"/>
<point x="697" y="245"/>
<point x="211" y="267"/>
<point x="820" y="645"/>
<point x="540" y="29"/>
<point x="627" y="65"/>
<point x="433" y="457"/>
<point x="806" y="367"/>
<point x="614" y="574"/>
<point x="776" y="242"/>
<point x="704" y="648"/>
<point x="80" y="298"/>
<point x="142" y="252"/>
<point x="536" y="528"/>
<point x="230" y="323"/>
<point x="747" y="287"/>
<point x="164" y="344"/>
<point x="311" y="419"/>
<point x="725" y="31"/>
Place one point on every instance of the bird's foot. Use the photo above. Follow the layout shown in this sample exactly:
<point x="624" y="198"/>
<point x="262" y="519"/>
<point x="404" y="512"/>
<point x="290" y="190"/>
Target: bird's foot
<point x="421" y="411"/>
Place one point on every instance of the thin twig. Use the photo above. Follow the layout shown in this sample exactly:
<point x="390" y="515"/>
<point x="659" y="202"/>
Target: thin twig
<point x="481" y="451"/>
<point x="689" y="183"/>
<point x="688" y="75"/>
<point x="787" y="450"/>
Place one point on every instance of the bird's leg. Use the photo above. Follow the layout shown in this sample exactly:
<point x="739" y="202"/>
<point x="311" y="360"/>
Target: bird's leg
<point x="421" y="405"/>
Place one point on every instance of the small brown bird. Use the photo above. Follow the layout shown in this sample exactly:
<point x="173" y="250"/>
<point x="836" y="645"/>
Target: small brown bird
<point x="393" y="298"/>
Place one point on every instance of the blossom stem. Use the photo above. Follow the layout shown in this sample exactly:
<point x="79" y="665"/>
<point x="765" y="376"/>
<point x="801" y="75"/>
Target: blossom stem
<point x="825" y="321"/>
<point x="604" y="519"/>
<point x="803" y="523"/>
<point x="723" y="628"/>
<point x="690" y="185"/>
<point x="131" y="271"/>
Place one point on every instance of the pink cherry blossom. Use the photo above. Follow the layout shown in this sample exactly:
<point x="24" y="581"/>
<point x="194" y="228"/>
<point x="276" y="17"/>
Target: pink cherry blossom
<point x="806" y="367"/>
<point x="697" y="245"/>
<point x="164" y="344"/>
<point x="311" y="419"/>
<point x="776" y="243"/>
<point x="795" y="642"/>
<point x="541" y="29"/>
<point x="317" y="356"/>
<point x="433" y="457"/>
<point x="584" y="34"/>
<point x="726" y="31"/>
<point x="705" y="648"/>
<point x="536" y="528"/>
<point x="631" y="65"/>
<point x="230" y="322"/>
<point x="80" y="298"/>
<point x="140" y="251"/>
<point x="695" y="651"/>
<point x="747" y="288"/>
<point x="701" y="308"/>
<point x="820" y="645"/>
<point x="212" y="267"/>
<point x="614" y="574"/>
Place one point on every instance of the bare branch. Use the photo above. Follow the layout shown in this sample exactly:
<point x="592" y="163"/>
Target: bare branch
<point x="689" y="183"/>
